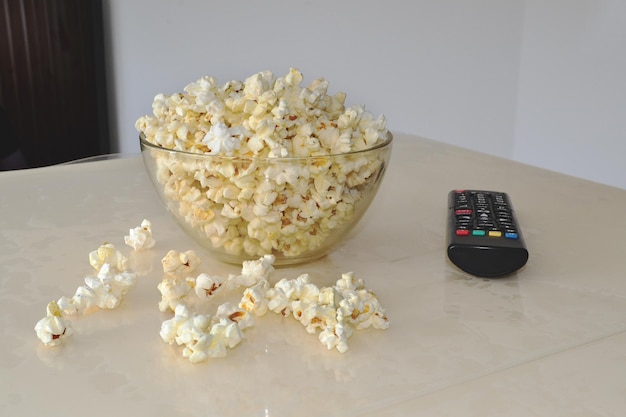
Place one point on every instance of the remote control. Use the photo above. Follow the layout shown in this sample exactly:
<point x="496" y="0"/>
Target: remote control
<point x="484" y="238"/>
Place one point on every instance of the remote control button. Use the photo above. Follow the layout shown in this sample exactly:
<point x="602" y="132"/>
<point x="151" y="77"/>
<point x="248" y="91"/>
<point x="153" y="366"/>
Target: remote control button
<point x="495" y="233"/>
<point x="511" y="235"/>
<point x="462" y="211"/>
<point x="478" y="232"/>
<point x="462" y="232"/>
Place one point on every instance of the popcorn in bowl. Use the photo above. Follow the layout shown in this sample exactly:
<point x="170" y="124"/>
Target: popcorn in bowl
<point x="264" y="166"/>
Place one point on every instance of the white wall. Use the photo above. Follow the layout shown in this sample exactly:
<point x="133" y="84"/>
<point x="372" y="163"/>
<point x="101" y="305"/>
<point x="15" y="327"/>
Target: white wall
<point x="571" y="114"/>
<point x="463" y="72"/>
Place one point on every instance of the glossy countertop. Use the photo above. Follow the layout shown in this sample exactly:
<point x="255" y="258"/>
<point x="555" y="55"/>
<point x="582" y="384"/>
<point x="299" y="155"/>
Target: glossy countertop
<point x="549" y="340"/>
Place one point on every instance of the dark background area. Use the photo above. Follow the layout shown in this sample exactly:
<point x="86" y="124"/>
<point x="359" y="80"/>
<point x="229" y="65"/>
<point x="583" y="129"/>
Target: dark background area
<point x="53" y="104"/>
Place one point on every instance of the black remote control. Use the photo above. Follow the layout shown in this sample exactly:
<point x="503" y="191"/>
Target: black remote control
<point x="484" y="238"/>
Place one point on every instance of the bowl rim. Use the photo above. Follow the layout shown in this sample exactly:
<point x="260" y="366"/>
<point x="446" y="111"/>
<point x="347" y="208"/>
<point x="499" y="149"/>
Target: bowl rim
<point x="144" y="142"/>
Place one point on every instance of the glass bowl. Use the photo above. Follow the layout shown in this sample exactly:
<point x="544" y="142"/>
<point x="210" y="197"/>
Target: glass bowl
<point x="241" y="208"/>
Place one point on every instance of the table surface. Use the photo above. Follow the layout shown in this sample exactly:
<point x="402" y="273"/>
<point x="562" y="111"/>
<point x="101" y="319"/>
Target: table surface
<point x="547" y="341"/>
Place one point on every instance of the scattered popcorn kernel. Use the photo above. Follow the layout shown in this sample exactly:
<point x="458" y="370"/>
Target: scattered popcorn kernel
<point x="224" y="335"/>
<point x="108" y="287"/>
<point x="335" y="337"/>
<point x="67" y="305"/>
<point x="173" y="290"/>
<point x="206" y="285"/>
<point x="53" y="329"/>
<point x="349" y="282"/>
<point x="169" y="328"/>
<point x="108" y="253"/>
<point x="235" y="314"/>
<point x="198" y="350"/>
<point x="140" y="237"/>
<point x="255" y="271"/>
<point x="254" y="298"/>
<point x="180" y="263"/>
<point x="84" y="298"/>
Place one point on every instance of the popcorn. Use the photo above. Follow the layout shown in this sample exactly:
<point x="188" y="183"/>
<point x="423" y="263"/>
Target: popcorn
<point x="140" y="237"/>
<point x="334" y="311"/>
<point x="109" y="287"/>
<point x="235" y="314"/>
<point x="105" y="290"/>
<point x="204" y="336"/>
<point x="169" y="328"/>
<point x="336" y="336"/>
<point x="180" y="263"/>
<point x="251" y="208"/>
<point x="224" y="334"/>
<point x="254" y="298"/>
<point x="220" y="139"/>
<point x="173" y="291"/>
<point x="53" y="329"/>
<point x="103" y="295"/>
<point x="206" y="285"/>
<point x="108" y="253"/>
<point x="84" y="299"/>
<point x="255" y="271"/>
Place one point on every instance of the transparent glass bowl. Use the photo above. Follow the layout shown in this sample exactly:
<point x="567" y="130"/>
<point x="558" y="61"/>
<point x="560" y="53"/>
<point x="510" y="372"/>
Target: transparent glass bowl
<point x="241" y="208"/>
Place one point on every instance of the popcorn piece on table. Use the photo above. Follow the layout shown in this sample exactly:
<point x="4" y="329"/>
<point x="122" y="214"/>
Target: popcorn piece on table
<point x="108" y="253"/>
<point x="110" y="286"/>
<point x="318" y="317"/>
<point x="278" y="301"/>
<point x="53" y="329"/>
<point x="169" y="328"/>
<point x="254" y="298"/>
<point x="336" y="337"/>
<point x="207" y="285"/>
<point x="105" y="290"/>
<point x="140" y="237"/>
<point x="104" y="296"/>
<point x="204" y="337"/>
<point x="189" y="330"/>
<point x="83" y="299"/>
<point x="180" y="263"/>
<point x="360" y="306"/>
<point x="285" y="291"/>
<point x="235" y="314"/>
<point x="173" y="291"/>
<point x="225" y="334"/>
<point x="253" y="271"/>
<point x="348" y="282"/>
